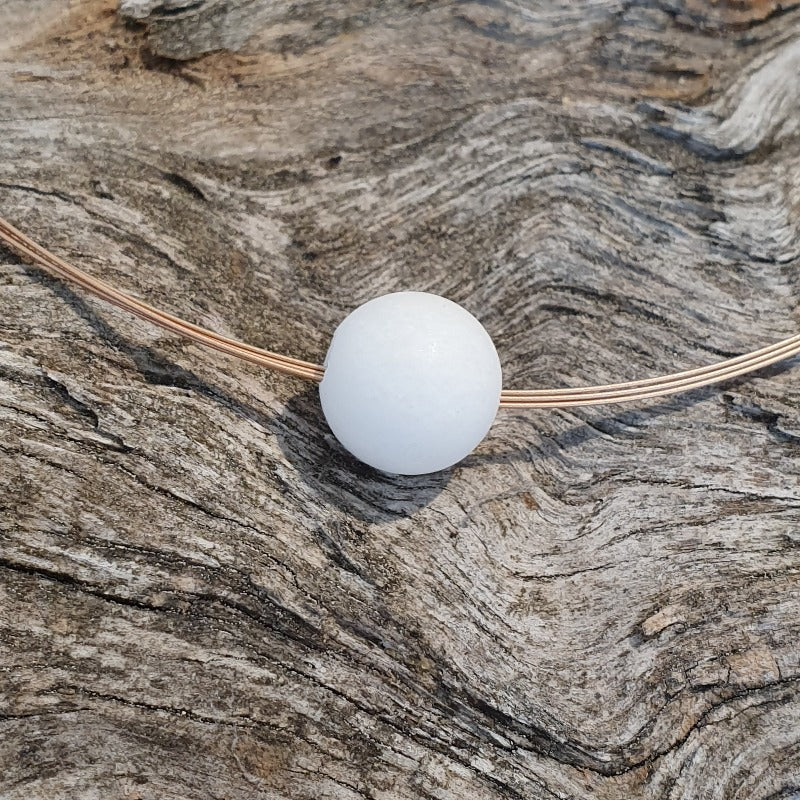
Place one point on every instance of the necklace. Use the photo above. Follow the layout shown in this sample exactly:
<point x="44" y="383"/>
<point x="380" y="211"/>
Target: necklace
<point x="411" y="382"/>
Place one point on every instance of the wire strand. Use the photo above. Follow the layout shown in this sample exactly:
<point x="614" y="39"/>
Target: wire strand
<point x="60" y="268"/>
<point x="510" y="398"/>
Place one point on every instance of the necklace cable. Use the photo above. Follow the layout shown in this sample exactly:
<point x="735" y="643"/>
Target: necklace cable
<point x="26" y="247"/>
<point x="519" y="399"/>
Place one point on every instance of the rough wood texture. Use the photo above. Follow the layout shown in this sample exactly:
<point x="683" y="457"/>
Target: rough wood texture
<point x="202" y="596"/>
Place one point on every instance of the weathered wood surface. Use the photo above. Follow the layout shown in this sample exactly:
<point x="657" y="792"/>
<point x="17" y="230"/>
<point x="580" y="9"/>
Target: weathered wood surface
<point x="201" y="596"/>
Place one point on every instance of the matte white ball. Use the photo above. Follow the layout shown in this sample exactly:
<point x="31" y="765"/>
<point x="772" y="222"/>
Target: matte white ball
<point x="412" y="383"/>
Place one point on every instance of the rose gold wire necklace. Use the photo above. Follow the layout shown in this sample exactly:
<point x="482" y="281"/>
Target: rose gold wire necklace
<point x="404" y="402"/>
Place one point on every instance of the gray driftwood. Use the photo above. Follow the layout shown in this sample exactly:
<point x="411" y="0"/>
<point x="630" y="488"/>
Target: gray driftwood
<point x="202" y="596"/>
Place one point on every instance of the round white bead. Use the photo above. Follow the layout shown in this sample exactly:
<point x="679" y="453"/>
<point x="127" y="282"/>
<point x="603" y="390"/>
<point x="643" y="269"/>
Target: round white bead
<point x="412" y="383"/>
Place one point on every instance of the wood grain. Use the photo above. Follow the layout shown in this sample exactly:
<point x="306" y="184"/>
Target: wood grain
<point x="203" y="596"/>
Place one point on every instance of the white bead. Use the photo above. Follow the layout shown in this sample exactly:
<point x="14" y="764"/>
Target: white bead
<point x="412" y="383"/>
